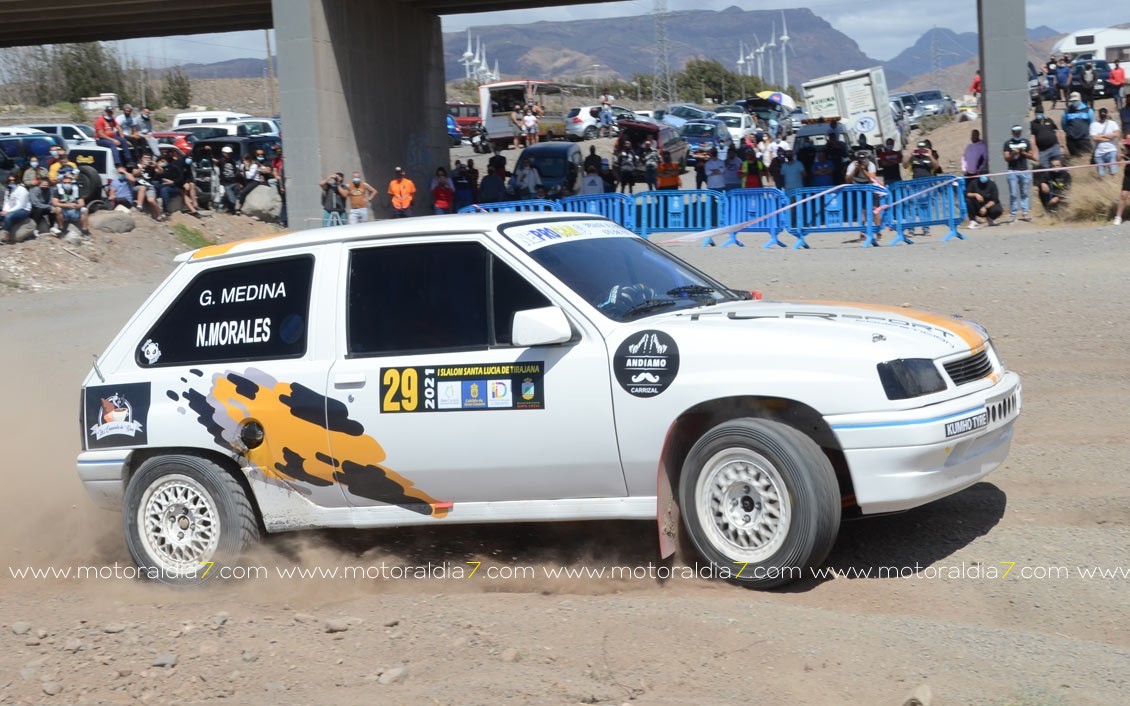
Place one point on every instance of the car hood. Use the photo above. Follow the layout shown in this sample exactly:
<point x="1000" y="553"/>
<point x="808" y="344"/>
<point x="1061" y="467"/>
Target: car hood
<point x="841" y="329"/>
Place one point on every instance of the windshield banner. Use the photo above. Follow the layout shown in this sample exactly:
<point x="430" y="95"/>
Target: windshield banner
<point x="538" y="235"/>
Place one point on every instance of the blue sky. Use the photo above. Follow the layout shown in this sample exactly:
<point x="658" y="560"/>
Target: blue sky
<point x="882" y="28"/>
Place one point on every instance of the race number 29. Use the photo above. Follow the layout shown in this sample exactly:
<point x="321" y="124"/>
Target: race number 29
<point x="400" y="390"/>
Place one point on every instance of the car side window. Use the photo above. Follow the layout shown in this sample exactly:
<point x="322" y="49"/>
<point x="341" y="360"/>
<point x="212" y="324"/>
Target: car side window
<point x="432" y="297"/>
<point x="252" y="311"/>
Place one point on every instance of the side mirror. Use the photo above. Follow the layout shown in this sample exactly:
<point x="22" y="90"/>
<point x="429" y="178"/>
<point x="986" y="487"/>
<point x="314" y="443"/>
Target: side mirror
<point x="540" y="327"/>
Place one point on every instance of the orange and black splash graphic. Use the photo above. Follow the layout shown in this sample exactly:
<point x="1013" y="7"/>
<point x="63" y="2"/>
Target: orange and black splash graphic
<point x="301" y="427"/>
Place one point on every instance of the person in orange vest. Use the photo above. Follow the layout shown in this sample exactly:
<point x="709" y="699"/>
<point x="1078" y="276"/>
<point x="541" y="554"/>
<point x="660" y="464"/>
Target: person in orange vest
<point x="667" y="176"/>
<point x="402" y="191"/>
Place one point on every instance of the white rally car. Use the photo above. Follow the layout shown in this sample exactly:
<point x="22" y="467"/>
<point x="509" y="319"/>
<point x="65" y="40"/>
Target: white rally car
<point x="515" y="368"/>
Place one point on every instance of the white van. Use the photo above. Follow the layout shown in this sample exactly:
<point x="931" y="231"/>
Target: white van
<point x="206" y="117"/>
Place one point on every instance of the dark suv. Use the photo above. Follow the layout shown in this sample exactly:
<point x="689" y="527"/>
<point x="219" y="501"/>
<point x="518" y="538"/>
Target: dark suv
<point x="17" y="150"/>
<point x="1102" y="77"/>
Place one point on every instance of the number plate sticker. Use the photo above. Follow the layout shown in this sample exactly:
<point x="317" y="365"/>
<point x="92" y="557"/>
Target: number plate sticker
<point x="463" y="388"/>
<point x="966" y="424"/>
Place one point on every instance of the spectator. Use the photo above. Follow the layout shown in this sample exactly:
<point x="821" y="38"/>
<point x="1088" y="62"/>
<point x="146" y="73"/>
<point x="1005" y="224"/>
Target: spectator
<point x="58" y="162"/>
<point x="526" y="180"/>
<point x="1044" y="132"/>
<point x="146" y="194"/>
<point x="921" y="161"/>
<point x="1076" y="122"/>
<point x="591" y="183"/>
<point x="68" y="205"/>
<point x="109" y="135"/>
<point x="1117" y="82"/>
<point x="890" y="162"/>
<point x="752" y="170"/>
<point x="1087" y="78"/>
<point x="34" y="172"/>
<point x="668" y="175"/>
<point x="187" y="182"/>
<point x="443" y="192"/>
<point x="473" y="177"/>
<point x="975" y="158"/>
<point x="145" y="129"/>
<point x="16" y="210"/>
<point x="40" y="197"/>
<point x="699" y="173"/>
<point x="792" y="174"/>
<point x="1017" y="151"/>
<point x="1063" y="80"/>
<point x="592" y="160"/>
<point x="129" y="126"/>
<point x="606" y="117"/>
<point x="650" y="160"/>
<point x="516" y="123"/>
<point x="863" y="171"/>
<point x="823" y="170"/>
<point x="169" y="176"/>
<point x="334" y="194"/>
<point x="626" y="169"/>
<point x="1105" y="135"/>
<point x="1124" y="197"/>
<point x="1054" y="185"/>
<point x="493" y="187"/>
<point x="837" y="152"/>
<point x="732" y="170"/>
<point x="975" y="88"/>
<point x="715" y="171"/>
<point x="530" y="127"/>
<point x="278" y="168"/>
<point x="122" y="189"/>
<point x="463" y="185"/>
<point x="983" y="201"/>
<point x="229" y="179"/>
<point x="401" y="189"/>
<point x="252" y="174"/>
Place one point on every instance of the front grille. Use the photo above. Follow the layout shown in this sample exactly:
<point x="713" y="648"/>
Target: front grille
<point x="969" y="369"/>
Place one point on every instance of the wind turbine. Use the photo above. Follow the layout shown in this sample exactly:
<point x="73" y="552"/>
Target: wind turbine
<point x="741" y="58"/>
<point x="784" y="55"/>
<point x="759" y="54"/>
<point x="770" y="47"/>
<point x="468" y="56"/>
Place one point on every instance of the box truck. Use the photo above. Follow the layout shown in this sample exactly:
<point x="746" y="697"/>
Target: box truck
<point x="859" y="99"/>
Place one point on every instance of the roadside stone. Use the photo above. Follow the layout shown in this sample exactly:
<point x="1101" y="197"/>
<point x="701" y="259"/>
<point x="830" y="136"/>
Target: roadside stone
<point x="114" y="628"/>
<point x="337" y="625"/>
<point x="31" y="642"/>
<point x="393" y="676"/>
<point x="40" y="633"/>
<point x="219" y="618"/>
<point x="304" y="618"/>
<point x="510" y="655"/>
<point x="263" y="203"/>
<point x="124" y="672"/>
<point x="51" y="688"/>
<point x="72" y="236"/>
<point x="112" y="222"/>
<point x="391" y="623"/>
<point x="73" y="644"/>
<point x="22" y="232"/>
<point x="21" y="628"/>
<point x="167" y="660"/>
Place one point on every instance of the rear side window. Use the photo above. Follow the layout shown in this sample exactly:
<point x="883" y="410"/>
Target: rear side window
<point x="246" y="312"/>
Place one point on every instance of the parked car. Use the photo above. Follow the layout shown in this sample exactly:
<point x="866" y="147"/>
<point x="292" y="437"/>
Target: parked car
<point x="935" y="102"/>
<point x="206" y="117"/>
<point x="183" y="141"/>
<point x="796" y="119"/>
<point x="204" y="132"/>
<point x="559" y="166"/>
<point x="1102" y="77"/>
<point x="676" y="115"/>
<point x="453" y="132"/>
<point x="766" y="110"/>
<point x="9" y="130"/>
<point x="583" y="123"/>
<point x="739" y="124"/>
<point x="466" y="117"/>
<point x="554" y="367"/>
<point x="253" y="127"/>
<point x="95" y="164"/>
<point x="663" y="136"/>
<point x="908" y="105"/>
<point x="75" y="134"/>
<point x="703" y="136"/>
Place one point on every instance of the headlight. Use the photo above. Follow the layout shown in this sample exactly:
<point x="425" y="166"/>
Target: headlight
<point x="910" y="377"/>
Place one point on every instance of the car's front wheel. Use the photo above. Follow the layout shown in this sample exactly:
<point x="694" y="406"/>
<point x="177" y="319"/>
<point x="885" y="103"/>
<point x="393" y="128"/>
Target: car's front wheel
<point x="185" y="517"/>
<point x="760" y="502"/>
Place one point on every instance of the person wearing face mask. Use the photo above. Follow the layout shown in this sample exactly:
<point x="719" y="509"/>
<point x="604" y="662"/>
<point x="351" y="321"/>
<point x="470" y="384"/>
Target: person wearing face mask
<point x="1054" y="185"/>
<point x="58" y="161"/>
<point x="250" y="170"/>
<point x="17" y="208"/>
<point x="68" y="205"/>
<point x="34" y="172"/>
<point x="983" y="201"/>
<point x="40" y="196"/>
<point x="188" y="184"/>
<point x="169" y="178"/>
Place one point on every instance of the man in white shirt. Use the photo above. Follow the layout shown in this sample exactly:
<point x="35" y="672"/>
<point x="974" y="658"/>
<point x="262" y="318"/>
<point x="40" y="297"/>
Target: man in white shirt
<point x="715" y="172"/>
<point x="17" y="208"/>
<point x="526" y="180"/>
<point x="1105" y="135"/>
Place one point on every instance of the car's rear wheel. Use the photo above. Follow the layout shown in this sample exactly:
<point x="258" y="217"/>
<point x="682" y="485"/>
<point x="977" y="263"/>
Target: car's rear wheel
<point x="183" y="516"/>
<point x="760" y="502"/>
<point x="591" y="132"/>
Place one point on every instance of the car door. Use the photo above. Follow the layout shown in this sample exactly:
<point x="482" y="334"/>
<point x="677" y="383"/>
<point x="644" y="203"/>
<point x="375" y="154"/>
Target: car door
<point x="425" y="365"/>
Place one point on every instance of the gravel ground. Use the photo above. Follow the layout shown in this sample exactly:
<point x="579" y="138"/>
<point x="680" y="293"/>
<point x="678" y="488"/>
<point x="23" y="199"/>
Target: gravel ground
<point x="1052" y="300"/>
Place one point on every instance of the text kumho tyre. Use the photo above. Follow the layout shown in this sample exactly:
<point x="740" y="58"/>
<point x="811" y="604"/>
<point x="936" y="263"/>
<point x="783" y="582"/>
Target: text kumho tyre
<point x="760" y="502"/>
<point x="184" y="516"/>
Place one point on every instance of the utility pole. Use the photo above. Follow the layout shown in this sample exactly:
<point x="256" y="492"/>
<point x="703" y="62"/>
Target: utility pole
<point x="270" y="76"/>
<point x="664" y="88"/>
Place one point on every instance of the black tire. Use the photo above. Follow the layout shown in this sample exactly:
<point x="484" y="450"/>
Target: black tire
<point x="591" y="132"/>
<point x="89" y="183"/>
<point x="223" y="519"/>
<point x="777" y="480"/>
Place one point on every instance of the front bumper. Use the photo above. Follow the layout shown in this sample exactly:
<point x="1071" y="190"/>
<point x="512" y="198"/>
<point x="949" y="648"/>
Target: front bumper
<point x="906" y="459"/>
<point x="103" y="475"/>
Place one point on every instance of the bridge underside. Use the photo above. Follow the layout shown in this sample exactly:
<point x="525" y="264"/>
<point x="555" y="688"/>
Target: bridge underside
<point x="361" y="82"/>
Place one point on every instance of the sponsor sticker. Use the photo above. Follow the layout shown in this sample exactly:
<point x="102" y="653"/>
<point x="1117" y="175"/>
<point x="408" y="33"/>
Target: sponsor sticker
<point x="534" y="236"/>
<point x="646" y="363"/>
<point x="463" y="388"/>
<point x="116" y="415"/>
<point x="967" y="424"/>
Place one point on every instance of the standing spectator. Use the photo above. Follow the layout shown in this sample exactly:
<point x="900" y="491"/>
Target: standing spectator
<point x="650" y="160"/>
<point x="130" y="129"/>
<point x="1054" y="185"/>
<point x="1063" y="80"/>
<point x="1087" y="78"/>
<point x="68" y="205"/>
<point x="605" y="118"/>
<point x="1124" y="197"/>
<point x="39" y="195"/>
<point x="473" y="177"/>
<point x="34" y="172"/>
<point x="668" y="175"/>
<point x="752" y="170"/>
<point x="359" y="194"/>
<point x="1105" y="134"/>
<point x="526" y="180"/>
<point x="591" y="183"/>
<point x="890" y="162"/>
<point x="823" y="170"/>
<point x="592" y="160"/>
<point x="464" y="186"/>
<point x="1044" y="132"/>
<point x="837" y="152"/>
<point x="1076" y="122"/>
<point x="699" y="173"/>
<point x="17" y="208"/>
<point x="109" y="135"/>
<point x="921" y="161"/>
<point x="516" y="123"/>
<point x="278" y="166"/>
<point x="626" y="169"/>
<point x="1052" y="87"/>
<point x="1017" y="151"/>
<point x="493" y="187"/>
<point x="443" y="192"/>
<point x="401" y="189"/>
<point x="975" y="158"/>
<point x="530" y="127"/>
<point x="792" y="174"/>
<point x="732" y="170"/>
<point x="982" y="200"/>
<point x="1117" y="81"/>
<point x="715" y="172"/>
<point x="334" y="194"/>
<point x="975" y="88"/>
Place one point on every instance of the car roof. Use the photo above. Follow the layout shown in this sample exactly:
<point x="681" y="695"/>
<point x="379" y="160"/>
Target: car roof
<point x="450" y="224"/>
<point x="550" y="147"/>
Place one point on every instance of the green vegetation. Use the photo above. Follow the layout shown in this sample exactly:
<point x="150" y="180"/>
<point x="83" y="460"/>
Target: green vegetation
<point x="192" y="237"/>
<point x="178" y="89"/>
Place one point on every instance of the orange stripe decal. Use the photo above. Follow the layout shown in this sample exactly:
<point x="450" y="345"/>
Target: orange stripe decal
<point x="223" y="248"/>
<point x="963" y="330"/>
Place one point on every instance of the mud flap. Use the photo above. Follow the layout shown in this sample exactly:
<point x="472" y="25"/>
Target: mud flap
<point x="667" y="514"/>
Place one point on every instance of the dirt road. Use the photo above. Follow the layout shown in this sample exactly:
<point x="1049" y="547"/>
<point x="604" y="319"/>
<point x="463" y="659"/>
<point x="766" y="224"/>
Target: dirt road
<point x="1044" y="633"/>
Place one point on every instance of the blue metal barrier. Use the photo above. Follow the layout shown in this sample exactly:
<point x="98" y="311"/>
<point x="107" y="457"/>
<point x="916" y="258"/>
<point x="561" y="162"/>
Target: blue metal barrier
<point x="512" y="206"/>
<point x="944" y="205"/>
<point x="747" y="204"/>
<point x="617" y="207"/>
<point x="848" y="209"/>
<point x="671" y="211"/>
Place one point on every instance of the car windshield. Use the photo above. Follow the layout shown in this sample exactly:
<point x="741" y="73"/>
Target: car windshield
<point x="731" y="120"/>
<point x="698" y="130"/>
<point x="929" y="96"/>
<point x="87" y="130"/>
<point x="549" y="167"/>
<point x="624" y="276"/>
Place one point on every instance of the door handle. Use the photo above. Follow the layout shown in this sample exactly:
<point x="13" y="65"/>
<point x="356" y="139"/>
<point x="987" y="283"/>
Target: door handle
<point x="349" y="380"/>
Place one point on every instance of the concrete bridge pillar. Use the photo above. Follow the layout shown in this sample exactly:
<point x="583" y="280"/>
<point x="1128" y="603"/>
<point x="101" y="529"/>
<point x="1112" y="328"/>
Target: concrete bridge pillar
<point x="1004" y="74"/>
<point x="361" y="88"/>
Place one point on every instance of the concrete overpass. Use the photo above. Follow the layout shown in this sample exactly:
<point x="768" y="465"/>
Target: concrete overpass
<point x="361" y="82"/>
